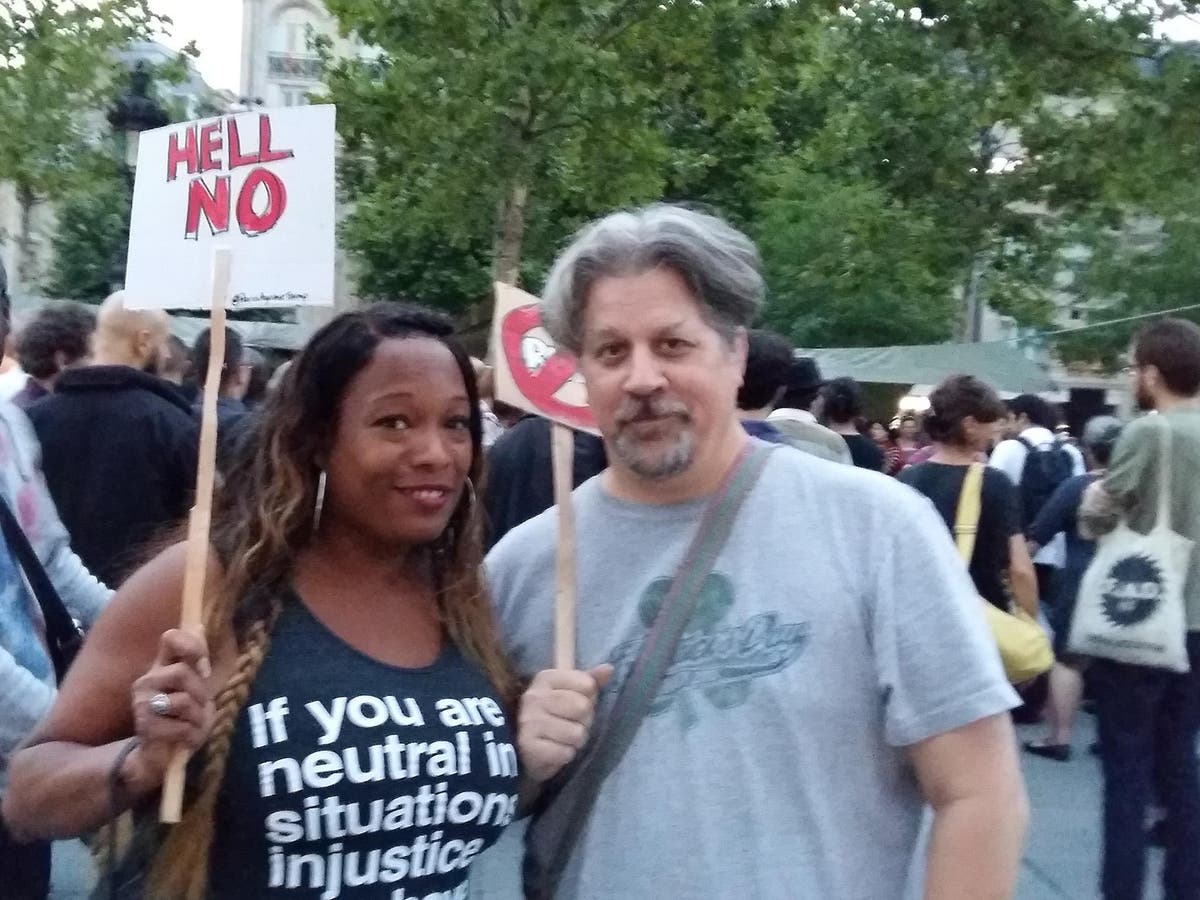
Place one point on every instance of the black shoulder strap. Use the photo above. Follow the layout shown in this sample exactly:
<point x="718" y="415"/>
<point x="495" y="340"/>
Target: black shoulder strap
<point x="60" y="626"/>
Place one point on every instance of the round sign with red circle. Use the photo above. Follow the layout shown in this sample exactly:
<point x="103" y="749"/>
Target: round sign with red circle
<point x="545" y="376"/>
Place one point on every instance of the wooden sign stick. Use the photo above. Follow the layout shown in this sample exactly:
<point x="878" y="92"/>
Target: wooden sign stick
<point x="564" y="596"/>
<point x="200" y="521"/>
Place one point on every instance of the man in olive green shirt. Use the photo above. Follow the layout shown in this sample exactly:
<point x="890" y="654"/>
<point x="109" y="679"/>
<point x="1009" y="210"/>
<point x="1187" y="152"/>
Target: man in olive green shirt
<point x="1150" y="718"/>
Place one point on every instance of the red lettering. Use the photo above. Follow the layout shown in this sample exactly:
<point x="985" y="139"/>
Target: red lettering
<point x="236" y="160"/>
<point x="251" y="222"/>
<point x="265" y="153"/>
<point x="210" y="144"/>
<point x="186" y="154"/>
<point x="214" y="205"/>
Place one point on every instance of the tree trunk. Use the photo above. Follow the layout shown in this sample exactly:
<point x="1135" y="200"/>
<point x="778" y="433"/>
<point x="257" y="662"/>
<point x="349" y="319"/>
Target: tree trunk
<point x="971" y="324"/>
<point x="25" y="252"/>
<point x="510" y="232"/>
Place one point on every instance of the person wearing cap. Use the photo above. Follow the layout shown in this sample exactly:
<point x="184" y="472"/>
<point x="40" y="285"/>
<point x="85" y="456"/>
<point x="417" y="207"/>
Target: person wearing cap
<point x="1060" y="515"/>
<point x="793" y="415"/>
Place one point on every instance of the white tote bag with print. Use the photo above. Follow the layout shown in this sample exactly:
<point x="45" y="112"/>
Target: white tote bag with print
<point x="1131" y="606"/>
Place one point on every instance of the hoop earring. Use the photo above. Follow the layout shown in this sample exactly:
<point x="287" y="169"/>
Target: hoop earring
<point x="320" y="504"/>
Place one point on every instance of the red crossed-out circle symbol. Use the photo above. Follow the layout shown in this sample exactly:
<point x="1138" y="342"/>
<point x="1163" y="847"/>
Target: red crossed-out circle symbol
<point x="540" y="387"/>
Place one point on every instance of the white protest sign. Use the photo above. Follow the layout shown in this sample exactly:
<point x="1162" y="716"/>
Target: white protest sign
<point x="260" y="183"/>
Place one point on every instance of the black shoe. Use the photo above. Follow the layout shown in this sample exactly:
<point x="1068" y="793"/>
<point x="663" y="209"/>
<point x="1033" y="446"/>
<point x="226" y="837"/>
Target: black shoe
<point x="1056" y="752"/>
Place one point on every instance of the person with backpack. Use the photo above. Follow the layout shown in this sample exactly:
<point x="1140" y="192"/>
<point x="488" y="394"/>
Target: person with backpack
<point x="1037" y="462"/>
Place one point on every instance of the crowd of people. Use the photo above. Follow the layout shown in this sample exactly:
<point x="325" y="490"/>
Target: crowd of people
<point x="375" y="695"/>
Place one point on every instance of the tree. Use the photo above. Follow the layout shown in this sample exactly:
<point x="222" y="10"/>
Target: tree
<point x="1145" y="236"/>
<point x="92" y="234"/>
<point x="486" y="129"/>
<point x="975" y="129"/>
<point x="57" y="67"/>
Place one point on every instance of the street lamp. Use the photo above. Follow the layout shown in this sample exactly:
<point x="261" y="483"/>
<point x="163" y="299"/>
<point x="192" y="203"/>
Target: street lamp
<point x="134" y="112"/>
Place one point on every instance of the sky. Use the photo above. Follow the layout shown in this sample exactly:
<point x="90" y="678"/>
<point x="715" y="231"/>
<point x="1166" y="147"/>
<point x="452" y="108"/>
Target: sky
<point x="216" y="27"/>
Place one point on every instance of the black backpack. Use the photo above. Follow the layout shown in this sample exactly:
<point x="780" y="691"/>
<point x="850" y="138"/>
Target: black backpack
<point x="1046" y="467"/>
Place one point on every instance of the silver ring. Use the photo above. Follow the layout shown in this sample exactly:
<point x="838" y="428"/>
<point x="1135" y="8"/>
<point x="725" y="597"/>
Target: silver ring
<point x="160" y="705"/>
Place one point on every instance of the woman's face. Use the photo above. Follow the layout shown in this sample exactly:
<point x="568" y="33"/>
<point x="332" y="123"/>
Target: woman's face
<point x="402" y="450"/>
<point x="908" y="429"/>
<point x="878" y="433"/>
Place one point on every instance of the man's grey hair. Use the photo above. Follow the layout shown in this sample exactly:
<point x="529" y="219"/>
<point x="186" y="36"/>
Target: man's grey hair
<point x="719" y="263"/>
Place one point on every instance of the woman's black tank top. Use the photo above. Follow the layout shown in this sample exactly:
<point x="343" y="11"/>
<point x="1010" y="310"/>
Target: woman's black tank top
<point x="349" y="778"/>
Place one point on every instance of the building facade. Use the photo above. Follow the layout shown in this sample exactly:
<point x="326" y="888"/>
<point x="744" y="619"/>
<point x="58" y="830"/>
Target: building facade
<point x="279" y="67"/>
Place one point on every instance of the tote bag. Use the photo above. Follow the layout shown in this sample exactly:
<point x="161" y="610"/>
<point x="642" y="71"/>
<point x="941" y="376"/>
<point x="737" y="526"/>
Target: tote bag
<point x="1130" y="607"/>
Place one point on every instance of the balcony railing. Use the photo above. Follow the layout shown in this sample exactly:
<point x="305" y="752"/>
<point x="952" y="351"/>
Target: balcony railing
<point x="293" y="67"/>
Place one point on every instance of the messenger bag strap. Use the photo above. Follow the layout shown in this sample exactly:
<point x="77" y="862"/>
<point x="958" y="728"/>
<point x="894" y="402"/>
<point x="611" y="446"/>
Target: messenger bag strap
<point x="60" y="627"/>
<point x="562" y="822"/>
<point x="966" y="522"/>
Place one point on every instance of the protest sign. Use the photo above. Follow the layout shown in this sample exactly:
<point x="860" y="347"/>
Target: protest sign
<point x="236" y="211"/>
<point x="530" y="372"/>
<point x="534" y="375"/>
<point x="259" y="183"/>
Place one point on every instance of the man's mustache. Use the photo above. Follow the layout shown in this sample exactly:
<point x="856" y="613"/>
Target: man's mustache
<point x="632" y="411"/>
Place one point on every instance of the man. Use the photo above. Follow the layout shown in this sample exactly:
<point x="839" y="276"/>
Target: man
<point x="794" y="416"/>
<point x="232" y="414"/>
<point x="842" y="404"/>
<point x="27" y="679"/>
<point x="1150" y="718"/>
<point x="55" y="339"/>
<point x="768" y="364"/>
<point x="520" y="482"/>
<point x="1037" y="462"/>
<point x="816" y="700"/>
<point x="119" y="443"/>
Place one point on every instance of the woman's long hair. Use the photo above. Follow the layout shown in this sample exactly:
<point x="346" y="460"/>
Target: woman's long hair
<point x="263" y="515"/>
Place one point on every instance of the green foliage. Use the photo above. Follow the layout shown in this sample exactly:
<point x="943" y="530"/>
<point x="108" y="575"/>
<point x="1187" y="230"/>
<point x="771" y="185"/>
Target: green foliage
<point x="92" y="234"/>
<point x="885" y="155"/>
<point x="57" y="68"/>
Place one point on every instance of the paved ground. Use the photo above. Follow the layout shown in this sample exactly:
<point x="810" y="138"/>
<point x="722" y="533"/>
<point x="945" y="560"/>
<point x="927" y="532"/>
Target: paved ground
<point x="1061" y="861"/>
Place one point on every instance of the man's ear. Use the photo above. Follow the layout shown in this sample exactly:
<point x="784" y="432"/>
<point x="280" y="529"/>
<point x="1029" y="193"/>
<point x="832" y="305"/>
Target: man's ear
<point x="143" y="345"/>
<point x="741" y="351"/>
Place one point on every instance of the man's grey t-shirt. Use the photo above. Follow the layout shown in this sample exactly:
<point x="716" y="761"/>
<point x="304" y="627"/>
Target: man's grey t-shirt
<point x="837" y="628"/>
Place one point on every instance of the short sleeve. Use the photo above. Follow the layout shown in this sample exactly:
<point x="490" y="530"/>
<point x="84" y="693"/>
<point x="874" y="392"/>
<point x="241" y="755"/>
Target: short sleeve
<point x="1009" y="458"/>
<point x="936" y="662"/>
<point x="1128" y="470"/>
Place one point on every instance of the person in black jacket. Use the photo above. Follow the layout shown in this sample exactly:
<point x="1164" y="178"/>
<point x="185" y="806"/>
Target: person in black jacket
<point x="119" y="444"/>
<point x="233" y="417"/>
<point x="520" y="481"/>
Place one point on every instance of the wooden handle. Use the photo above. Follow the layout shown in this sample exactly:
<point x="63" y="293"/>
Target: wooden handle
<point x="200" y="521"/>
<point x="564" y="595"/>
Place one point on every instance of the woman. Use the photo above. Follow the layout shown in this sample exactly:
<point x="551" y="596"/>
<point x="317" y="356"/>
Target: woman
<point x="894" y="462"/>
<point x="909" y="440"/>
<point x="843" y="406"/>
<point x="1060" y="515"/>
<point x="962" y="420"/>
<point x="349" y="698"/>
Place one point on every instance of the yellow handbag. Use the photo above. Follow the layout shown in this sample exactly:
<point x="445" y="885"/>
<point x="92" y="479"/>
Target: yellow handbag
<point x="1024" y="645"/>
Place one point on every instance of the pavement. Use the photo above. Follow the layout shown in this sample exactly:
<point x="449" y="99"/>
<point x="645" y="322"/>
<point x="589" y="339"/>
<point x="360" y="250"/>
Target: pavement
<point x="1061" y="859"/>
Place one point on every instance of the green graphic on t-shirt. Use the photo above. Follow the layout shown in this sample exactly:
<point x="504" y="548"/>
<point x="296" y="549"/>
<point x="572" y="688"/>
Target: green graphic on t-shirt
<point x="715" y="660"/>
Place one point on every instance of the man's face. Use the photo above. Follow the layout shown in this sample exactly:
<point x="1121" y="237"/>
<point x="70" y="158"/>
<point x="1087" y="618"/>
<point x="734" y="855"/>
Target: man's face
<point x="661" y="381"/>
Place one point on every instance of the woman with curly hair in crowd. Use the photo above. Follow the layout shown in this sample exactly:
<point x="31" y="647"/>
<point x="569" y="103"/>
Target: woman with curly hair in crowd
<point x="348" y="703"/>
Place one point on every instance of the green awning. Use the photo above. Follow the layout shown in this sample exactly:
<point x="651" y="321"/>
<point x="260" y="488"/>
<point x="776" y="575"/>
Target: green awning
<point x="1001" y="364"/>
